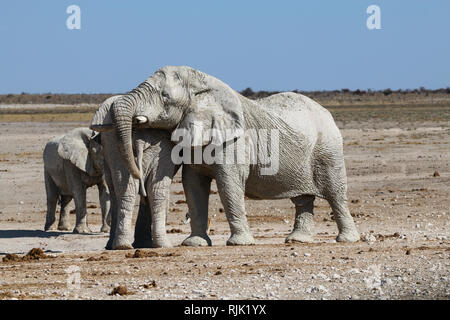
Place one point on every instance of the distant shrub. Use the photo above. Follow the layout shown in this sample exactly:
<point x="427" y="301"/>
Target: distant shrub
<point x="387" y="92"/>
<point x="359" y="92"/>
<point x="247" y="92"/>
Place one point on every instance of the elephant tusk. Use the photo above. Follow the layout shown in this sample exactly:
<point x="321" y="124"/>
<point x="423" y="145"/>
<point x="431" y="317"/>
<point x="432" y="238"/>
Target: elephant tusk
<point x="140" y="119"/>
<point x="139" y="156"/>
<point x="142" y="191"/>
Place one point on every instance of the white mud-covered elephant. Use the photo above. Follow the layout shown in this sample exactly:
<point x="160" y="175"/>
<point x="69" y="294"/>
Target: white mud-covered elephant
<point x="152" y="150"/>
<point x="305" y="159"/>
<point x="73" y="163"/>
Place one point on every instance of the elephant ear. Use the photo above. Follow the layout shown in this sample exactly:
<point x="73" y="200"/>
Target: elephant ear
<point x="102" y="120"/>
<point x="215" y="117"/>
<point x="75" y="149"/>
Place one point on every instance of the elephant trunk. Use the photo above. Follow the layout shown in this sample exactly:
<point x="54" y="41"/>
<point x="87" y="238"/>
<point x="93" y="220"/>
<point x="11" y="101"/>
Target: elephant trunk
<point x="122" y="113"/>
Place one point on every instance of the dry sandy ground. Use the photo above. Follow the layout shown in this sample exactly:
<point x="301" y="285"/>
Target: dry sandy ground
<point x="400" y="208"/>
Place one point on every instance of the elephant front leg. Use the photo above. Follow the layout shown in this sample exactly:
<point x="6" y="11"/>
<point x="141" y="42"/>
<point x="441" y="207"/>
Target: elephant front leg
<point x="80" y="208"/>
<point x="64" y="224"/>
<point x="231" y="189"/>
<point x="122" y="233"/>
<point x="159" y="196"/>
<point x="105" y="205"/>
<point x="304" y="220"/>
<point x="197" y="188"/>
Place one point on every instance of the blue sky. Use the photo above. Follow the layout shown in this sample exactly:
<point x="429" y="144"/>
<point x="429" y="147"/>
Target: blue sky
<point x="265" y="45"/>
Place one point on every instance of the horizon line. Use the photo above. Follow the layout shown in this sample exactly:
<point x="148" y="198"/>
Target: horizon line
<point x="253" y="90"/>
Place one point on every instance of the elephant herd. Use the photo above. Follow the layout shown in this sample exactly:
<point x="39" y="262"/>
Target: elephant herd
<point x="282" y="146"/>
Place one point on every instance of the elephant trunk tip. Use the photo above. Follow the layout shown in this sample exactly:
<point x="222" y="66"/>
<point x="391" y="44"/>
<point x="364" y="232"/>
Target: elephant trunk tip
<point x="126" y="150"/>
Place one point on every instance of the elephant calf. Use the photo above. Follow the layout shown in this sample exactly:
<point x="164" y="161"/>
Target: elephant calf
<point x="73" y="163"/>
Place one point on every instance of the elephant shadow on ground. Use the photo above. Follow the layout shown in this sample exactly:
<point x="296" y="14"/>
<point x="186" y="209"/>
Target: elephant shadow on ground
<point x="10" y="234"/>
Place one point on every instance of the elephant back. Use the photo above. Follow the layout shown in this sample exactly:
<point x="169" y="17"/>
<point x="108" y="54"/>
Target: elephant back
<point x="301" y="113"/>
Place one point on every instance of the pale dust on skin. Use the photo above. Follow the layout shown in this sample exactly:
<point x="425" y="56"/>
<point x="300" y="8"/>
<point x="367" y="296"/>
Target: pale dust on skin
<point x="389" y="180"/>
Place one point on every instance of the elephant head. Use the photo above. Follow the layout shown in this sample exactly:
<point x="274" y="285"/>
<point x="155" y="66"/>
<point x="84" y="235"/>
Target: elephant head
<point x="83" y="150"/>
<point x="208" y="110"/>
<point x="102" y="122"/>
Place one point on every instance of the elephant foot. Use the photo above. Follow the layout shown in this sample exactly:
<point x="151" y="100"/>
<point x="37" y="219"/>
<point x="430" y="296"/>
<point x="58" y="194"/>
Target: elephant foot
<point x="162" y="243"/>
<point x="49" y="226"/>
<point x="348" y="236"/>
<point x="241" y="239"/>
<point x="105" y="228"/>
<point x="82" y="229"/>
<point x="121" y="244"/>
<point x="298" y="236"/>
<point x="122" y="247"/>
<point x="109" y="244"/>
<point x="197" y="241"/>
<point x="64" y="226"/>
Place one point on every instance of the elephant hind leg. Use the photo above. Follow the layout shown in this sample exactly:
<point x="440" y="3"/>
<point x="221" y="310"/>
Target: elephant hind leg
<point x="344" y="220"/>
<point x="52" y="200"/>
<point x="113" y="208"/>
<point x="64" y="224"/>
<point x="336" y="195"/>
<point x="304" y="220"/>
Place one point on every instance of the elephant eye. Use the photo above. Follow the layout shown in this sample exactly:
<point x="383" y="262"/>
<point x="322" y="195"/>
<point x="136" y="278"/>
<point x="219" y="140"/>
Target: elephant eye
<point x="165" y="95"/>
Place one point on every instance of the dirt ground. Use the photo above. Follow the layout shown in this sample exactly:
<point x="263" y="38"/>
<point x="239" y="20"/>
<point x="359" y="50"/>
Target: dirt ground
<point x="398" y="165"/>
